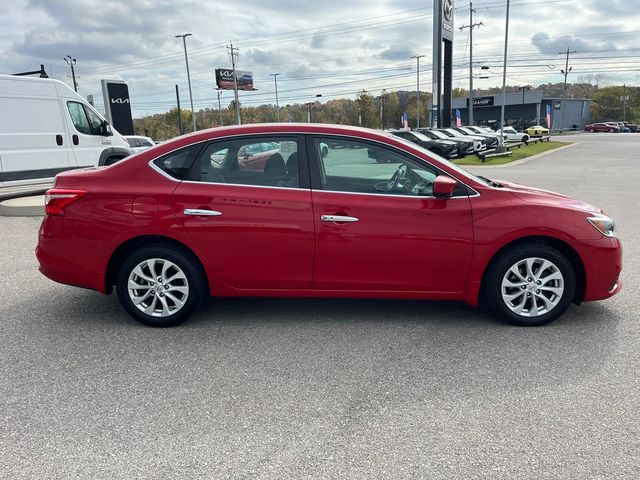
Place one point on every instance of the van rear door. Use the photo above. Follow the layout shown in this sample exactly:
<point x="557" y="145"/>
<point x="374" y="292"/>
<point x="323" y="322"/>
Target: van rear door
<point x="33" y="140"/>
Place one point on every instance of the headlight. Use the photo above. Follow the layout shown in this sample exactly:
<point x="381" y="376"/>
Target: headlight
<point x="603" y="224"/>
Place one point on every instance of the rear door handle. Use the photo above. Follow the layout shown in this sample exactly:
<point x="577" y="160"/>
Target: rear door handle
<point x="59" y="139"/>
<point x="198" y="212"/>
<point x="338" y="218"/>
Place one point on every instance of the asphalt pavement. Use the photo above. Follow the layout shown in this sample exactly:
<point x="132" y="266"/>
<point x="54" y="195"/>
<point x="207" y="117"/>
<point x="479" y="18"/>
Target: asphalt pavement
<point x="345" y="389"/>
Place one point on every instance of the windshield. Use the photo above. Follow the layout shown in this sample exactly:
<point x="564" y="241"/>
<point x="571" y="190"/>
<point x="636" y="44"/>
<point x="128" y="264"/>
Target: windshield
<point x="421" y="136"/>
<point x="440" y="134"/>
<point x="453" y="166"/>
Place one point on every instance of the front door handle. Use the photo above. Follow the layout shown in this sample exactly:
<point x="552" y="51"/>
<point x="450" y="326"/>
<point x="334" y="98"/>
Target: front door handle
<point x="75" y="139"/>
<point x="338" y="218"/>
<point x="198" y="212"/>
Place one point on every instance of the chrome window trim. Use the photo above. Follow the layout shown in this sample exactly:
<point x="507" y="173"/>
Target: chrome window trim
<point x="166" y="175"/>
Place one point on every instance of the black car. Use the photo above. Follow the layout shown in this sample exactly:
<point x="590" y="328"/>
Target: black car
<point x="465" y="147"/>
<point x="444" y="148"/>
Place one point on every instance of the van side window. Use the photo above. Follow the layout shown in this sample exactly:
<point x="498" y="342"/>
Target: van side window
<point x="78" y="117"/>
<point x="95" y="122"/>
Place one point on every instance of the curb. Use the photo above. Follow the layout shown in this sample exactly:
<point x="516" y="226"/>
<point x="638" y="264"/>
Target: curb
<point x="522" y="161"/>
<point x="21" y="211"/>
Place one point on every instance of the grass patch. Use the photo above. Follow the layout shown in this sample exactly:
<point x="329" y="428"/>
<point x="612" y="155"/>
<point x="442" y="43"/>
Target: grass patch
<point x="518" y="154"/>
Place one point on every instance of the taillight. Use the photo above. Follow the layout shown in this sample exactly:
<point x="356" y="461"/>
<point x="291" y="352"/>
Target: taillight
<point x="57" y="199"/>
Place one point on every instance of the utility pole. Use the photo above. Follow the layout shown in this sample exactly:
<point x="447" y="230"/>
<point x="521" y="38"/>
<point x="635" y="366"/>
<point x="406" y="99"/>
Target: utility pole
<point x="418" y="57"/>
<point x="471" y="26"/>
<point x="186" y="60"/>
<point x="232" y="52"/>
<point x="566" y="71"/>
<point x="179" y="114"/>
<point x="220" y="105"/>
<point x="275" y="81"/>
<point x="72" y="63"/>
<point x="504" y="80"/>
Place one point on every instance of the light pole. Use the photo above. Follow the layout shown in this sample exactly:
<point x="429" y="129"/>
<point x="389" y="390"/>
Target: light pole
<point x="275" y="81"/>
<point x="186" y="60"/>
<point x="309" y="105"/>
<point x="220" y="105"/>
<point x="72" y="62"/>
<point x="523" y="89"/>
<point x="504" y="79"/>
<point x="418" y="57"/>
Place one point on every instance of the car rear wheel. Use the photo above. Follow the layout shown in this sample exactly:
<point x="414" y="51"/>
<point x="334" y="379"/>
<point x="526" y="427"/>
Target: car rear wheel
<point x="530" y="285"/>
<point x="160" y="286"/>
<point x="611" y="130"/>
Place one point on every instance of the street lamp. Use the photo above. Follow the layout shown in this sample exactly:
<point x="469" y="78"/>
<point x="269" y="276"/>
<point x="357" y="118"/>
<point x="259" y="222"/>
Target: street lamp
<point x="523" y="89"/>
<point x="275" y="81"/>
<point x="418" y="57"/>
<point x="186" y="60"/>
<point x="309" y="105"/>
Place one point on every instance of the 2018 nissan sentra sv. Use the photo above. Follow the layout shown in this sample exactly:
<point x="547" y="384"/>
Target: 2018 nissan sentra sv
<point x="373" y="216"/>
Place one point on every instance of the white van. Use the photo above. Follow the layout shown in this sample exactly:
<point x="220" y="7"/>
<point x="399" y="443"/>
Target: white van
<point x="47" y="128"/>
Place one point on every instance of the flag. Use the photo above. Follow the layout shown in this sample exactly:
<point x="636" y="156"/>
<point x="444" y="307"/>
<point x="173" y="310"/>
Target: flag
<point x="405" y="121"/>
<point x="458" y="118"/>
<point x="548" y="116"/>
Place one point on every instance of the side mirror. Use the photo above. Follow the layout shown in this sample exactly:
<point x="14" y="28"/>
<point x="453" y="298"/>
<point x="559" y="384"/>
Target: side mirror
<point x="106" y="129"/>
<point x="443" y="186"/>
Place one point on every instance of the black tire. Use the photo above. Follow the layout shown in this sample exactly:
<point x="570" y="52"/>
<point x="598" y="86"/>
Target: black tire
<point x="525" y="139"/>
<point x="611" y="130"/>
<point x="499" y="268"/>
<point x="591" y="130"/>
<point x="112" y="160"/>
<point x="185" y="262"/>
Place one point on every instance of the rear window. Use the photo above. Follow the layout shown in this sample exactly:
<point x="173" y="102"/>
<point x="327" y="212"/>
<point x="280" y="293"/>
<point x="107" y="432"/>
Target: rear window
<point x="177" y="163"/>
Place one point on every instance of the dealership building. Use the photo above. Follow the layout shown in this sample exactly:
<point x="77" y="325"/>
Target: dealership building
<point x="531" y="107"/>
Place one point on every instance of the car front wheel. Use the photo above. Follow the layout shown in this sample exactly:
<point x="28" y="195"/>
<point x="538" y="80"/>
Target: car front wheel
<point x="160" y="286"/>
<point x="530" y="285"/>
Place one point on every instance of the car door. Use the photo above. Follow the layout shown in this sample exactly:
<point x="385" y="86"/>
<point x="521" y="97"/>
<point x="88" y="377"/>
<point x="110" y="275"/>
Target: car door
<point x="378" y="226"/>
<point x="255" y="227"/>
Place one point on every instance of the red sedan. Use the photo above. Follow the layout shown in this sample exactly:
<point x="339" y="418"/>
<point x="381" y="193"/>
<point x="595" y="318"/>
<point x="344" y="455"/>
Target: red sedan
<point x="601" y="127"/>
<point x="185" y="219"/>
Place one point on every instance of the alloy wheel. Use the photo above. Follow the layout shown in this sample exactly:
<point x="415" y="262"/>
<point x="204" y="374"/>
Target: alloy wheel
<point x="532" y="287"/>
<point x="158" y="287"/>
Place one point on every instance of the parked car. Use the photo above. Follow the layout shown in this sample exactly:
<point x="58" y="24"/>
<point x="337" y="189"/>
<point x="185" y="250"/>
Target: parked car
<point x="601" y="127"/>
<point x="169" y="226"/>
<point x="139" y="143"/>
<point x="450" y="132"/>
<point x="623" y="127"/>
<point x="445" y="148"/>
<point x="47" y="128"/>
<point x="492" y="138"/>
<point x="465" y="147"/>
<point x="512" y="135"/>
<point x="537" y="131"/>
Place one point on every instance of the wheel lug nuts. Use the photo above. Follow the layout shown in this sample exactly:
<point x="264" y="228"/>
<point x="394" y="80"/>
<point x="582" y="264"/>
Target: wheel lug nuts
<point x="523" y="287"/>
<point x="537" y="291"/>
<point x="539" y="282"/>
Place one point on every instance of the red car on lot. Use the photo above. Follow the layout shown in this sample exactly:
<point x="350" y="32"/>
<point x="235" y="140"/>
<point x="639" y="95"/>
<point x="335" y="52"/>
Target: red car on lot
<point x="185" y="219"/>
<point x="601" y="127"/>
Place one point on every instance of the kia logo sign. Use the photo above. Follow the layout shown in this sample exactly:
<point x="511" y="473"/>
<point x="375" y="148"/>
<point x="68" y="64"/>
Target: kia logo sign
<point x="119" y="100"/>
<point x="448" y="10"/>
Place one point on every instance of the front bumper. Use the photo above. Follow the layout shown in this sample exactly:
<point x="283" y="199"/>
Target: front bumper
<point x="602" y="260"/>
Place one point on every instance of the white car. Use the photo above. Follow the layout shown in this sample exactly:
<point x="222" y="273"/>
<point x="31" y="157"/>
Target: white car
<point x="139" y="143"/>
<point x="511" y="135"/>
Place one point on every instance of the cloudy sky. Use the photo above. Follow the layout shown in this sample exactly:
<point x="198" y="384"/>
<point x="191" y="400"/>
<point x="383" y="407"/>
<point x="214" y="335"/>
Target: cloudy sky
<point x="331" y="47"/>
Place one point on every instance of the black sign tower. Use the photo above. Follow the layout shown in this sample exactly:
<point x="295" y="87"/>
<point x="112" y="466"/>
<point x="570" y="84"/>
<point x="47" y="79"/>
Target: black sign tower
<point x="442" y="44"/>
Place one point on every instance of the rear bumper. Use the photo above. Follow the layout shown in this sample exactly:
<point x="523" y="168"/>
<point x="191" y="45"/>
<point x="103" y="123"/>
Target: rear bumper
<point x="64" y="259"/>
